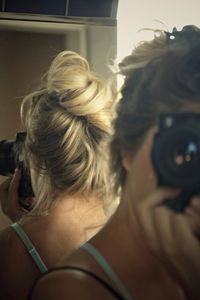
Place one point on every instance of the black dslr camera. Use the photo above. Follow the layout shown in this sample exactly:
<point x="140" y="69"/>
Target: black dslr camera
<point x="176" y="156"/>
<point x="11" y="157"/>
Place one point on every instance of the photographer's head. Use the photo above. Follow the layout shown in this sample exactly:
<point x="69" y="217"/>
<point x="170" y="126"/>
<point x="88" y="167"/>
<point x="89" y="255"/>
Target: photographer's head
<point x="145" y="251"/>
<point x="68" y="123"/>
<point x="161" y="76"/>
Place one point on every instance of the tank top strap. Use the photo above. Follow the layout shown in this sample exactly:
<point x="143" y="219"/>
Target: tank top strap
<point x="108" y="270"/>
<point x="30" y="247"/>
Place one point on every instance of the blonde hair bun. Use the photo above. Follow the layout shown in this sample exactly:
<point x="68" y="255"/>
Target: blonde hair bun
<point x="68" y="120"/>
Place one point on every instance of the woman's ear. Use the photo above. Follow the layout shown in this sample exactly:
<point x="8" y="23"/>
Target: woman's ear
<point x="127" y="158"/>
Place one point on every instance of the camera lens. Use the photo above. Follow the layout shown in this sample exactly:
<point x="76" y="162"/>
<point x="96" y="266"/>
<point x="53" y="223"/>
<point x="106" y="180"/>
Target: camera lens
<point x="186" y="154"/>
<point x="183" y="157"/>
<point x="176" y="157"/>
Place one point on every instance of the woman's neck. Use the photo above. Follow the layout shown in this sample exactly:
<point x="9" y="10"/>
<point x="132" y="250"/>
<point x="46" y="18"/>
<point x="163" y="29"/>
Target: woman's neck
<point x="71" y="222"/>
<point x="130" y="256"/>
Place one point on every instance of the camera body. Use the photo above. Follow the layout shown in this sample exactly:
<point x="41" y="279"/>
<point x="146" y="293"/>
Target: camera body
<point x="176" y="156"/>
<point x="11" y="157"/>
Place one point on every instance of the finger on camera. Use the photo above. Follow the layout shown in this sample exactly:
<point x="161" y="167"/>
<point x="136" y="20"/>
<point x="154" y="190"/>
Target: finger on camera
<point x="147" y="225"/>
<point x="156" y="224"/>
<point x="176" y="237"/>
<point x="147" y="209"/>
<point x="193" y="217"/>
<point x="15" y="181"/>
<point x="166" y="221"/>
<point x="4" y="186"/>
<point x="187" y="238"/>
<point x="163" y="220"/>
<point x="157" y="197"/>
<point x="195" y="203"/>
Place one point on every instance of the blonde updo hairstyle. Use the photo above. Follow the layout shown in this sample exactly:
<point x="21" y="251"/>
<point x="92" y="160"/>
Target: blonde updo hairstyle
<point x="68" y="124"/>
<point x="161" y="76"/>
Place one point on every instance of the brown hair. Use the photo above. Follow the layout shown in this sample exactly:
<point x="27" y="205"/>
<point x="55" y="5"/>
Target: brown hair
<point x="161" y="76"/>
<point x="68" y="123"/>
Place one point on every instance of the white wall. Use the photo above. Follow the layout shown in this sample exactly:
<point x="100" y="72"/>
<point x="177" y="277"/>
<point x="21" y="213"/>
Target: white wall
<point x="102" y="48"/>
<point x="134" y="15"/>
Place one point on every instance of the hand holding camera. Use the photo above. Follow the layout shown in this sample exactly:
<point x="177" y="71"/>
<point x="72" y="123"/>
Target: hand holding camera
<point x="16" y="194"/>
<point x="170" y="217"/>
<point x="171" y="237"/>
<point x="9" y="197"/>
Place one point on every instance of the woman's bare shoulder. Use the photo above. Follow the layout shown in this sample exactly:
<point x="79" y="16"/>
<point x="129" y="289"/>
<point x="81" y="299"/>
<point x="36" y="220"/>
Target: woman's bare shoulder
<point x="9" y="251"/>
<point x="54" y="285"/>
<point x="64" y="283"/>
<point x="7" y="239"/>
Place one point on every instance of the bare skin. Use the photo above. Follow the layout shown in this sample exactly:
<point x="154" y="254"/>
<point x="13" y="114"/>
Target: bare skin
<point x="139" y="270"/>
<point x="173" y="238"/>
<point x="138" y="247"/>
<point x="70" y="222"/>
